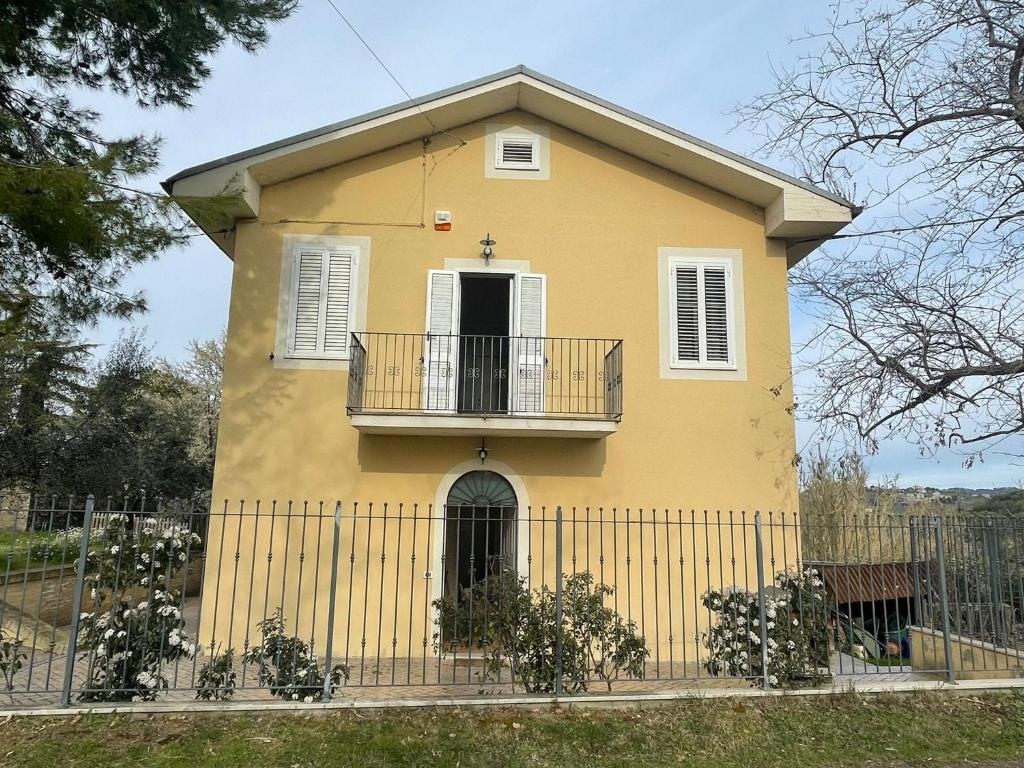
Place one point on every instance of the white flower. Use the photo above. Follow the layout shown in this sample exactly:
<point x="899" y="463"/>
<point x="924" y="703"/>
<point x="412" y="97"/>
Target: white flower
<point x="773" y="680"/>
<point x="308" y="700"/>
<point x="295" y="696"/>
<point x="791" y="645"/>
<point x="796" y="623"/>
<point x="115" y="549"/>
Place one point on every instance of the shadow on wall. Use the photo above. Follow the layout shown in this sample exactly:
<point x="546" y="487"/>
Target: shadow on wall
<point x="256" y="395"/>
<point x="402" y="454"/>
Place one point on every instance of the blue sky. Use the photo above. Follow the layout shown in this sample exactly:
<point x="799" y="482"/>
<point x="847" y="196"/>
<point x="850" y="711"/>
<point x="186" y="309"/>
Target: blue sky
<point x="686" y="64"/>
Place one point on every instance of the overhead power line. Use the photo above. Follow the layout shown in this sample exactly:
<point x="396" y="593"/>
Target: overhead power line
<point x="391" y="74"/>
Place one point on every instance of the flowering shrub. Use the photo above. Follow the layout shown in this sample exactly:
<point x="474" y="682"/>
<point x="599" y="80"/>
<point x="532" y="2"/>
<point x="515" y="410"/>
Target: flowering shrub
<point x="119" y="557"/>
<point x="217" y="678"/>
<point x="796" y="631"/>
<point x="134" y="639"/>
<point x="12" y="658"/>
<point x="131" y="647"/>
<point x="518" y="628"/>
<point x="288" y="666"/>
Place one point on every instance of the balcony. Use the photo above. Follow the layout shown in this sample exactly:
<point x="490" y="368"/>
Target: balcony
<point x="427" y="384"/>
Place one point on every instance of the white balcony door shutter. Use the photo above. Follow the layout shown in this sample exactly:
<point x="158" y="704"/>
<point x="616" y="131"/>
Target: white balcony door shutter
<point x="306" y="320"/>
<point x="441" y="349"/>
<point x="528" y="345"/>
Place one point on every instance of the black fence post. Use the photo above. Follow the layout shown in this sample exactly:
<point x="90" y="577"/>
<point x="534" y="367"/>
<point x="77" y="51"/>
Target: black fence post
<point x="761" y="607"/>
<point x="332" y="599"/>
<point x="558" y="603"/>
<point x="947" y="640"/>
<point x="76" y="602"/>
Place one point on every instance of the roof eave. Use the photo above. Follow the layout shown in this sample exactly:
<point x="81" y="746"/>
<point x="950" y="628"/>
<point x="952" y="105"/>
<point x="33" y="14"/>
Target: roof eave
<point x="795" y="210"/>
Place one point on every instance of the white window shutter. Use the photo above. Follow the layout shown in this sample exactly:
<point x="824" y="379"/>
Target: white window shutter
<point x="702" y="314"/>
<point x="338" y="303"/>
<point x="440" y="355"/>
<point x="322" y="302"/>
<point x="686" y="322"/>
<point x="306" y="320"/>
<point x="528" y="346"/>
<point x="718" y="346"/>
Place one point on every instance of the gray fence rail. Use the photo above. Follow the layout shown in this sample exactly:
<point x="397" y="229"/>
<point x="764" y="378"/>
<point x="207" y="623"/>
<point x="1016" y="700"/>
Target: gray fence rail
<point x="305" y="601"/>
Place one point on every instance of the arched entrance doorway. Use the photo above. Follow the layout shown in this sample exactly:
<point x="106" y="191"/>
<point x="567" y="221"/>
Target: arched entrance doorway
<point x="480" y="529"/>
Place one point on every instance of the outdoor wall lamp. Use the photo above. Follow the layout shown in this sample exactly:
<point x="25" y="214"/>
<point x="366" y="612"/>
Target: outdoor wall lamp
<point x="487" y="243"/>
<point x="482" y="453"/>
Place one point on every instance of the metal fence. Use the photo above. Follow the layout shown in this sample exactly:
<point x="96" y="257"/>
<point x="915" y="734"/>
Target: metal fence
<point x="492" y="375"/>
<point x="282" y="600"/>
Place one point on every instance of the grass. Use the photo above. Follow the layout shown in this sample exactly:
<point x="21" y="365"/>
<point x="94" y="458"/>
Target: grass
<point x="28" y="548"/>
<point x="792" y="732"/>
<point x="889" y="661"/>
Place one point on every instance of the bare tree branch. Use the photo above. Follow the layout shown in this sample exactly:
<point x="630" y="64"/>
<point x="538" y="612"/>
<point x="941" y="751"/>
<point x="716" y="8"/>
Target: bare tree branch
<point x="920" y="319"/>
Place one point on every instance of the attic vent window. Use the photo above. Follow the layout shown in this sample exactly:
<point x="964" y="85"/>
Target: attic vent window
<point x="519" y="153"/>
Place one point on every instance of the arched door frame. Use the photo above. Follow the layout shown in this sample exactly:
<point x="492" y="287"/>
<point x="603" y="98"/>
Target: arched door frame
<point x="441" y="502"/>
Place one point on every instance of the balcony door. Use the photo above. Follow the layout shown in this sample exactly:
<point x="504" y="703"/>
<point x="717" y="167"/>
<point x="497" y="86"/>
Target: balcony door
<point x="485" y="325"/>
<point x="485" y="349"/>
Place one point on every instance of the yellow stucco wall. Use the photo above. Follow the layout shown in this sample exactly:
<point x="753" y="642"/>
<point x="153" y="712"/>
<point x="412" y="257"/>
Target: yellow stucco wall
<point x="594" y="228"/>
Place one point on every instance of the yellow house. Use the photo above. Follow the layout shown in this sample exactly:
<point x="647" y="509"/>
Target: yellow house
<point x="509" y="296"/>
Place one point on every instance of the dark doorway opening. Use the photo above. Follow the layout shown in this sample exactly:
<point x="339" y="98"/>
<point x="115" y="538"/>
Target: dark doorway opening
<point x="484" y="325"/>
<point x="480" y="531"/>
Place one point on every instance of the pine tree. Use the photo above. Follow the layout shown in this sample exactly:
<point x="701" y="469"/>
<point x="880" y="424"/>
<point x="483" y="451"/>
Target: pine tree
<point x="72" y="221"/>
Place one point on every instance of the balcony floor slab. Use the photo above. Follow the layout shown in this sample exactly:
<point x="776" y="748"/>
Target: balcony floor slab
<point x="499" y="426"/>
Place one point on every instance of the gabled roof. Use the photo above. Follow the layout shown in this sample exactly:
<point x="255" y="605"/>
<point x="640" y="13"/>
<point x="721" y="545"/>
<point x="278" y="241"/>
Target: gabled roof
<point x="796" y="211"/>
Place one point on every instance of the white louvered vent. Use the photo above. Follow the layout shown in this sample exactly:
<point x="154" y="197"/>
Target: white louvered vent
<point x="517" y="153"/>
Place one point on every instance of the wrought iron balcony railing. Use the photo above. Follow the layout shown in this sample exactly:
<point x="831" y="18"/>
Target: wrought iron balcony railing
<point x="412" y="373"/>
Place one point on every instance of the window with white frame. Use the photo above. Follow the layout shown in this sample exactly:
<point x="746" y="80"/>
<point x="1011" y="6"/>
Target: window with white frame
<point x="322" y="301"/>
<point x="702" y="323"/>
<point x="517" y="152"/>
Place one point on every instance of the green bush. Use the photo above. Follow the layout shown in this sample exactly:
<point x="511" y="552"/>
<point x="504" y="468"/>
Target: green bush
<point x="217" y="678"/>
<point x="519" y="630"/>
<point x="288" y="665"/>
